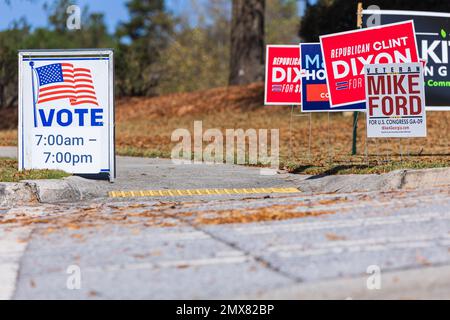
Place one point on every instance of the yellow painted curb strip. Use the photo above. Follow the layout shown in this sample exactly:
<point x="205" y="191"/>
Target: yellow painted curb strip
<point x="197" y="192"/>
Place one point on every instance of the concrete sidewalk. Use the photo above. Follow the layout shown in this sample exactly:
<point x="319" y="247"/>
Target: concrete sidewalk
<point x="8" y="152"/>
<point x="141" y="174"/>
<point x="294" y="247"/>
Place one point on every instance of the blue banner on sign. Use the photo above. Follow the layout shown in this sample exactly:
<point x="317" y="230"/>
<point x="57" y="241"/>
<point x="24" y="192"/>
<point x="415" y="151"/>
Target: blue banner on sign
<point x="314" y="82"/>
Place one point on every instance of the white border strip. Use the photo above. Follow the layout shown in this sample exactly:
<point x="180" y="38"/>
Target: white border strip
<point x="20" y="118"/>
<point x="112" y="120"/>
<point x="63" y="52"/>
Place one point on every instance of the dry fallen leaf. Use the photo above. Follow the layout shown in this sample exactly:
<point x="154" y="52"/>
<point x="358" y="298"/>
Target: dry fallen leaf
<point x="72" y="226"/>
<point x="49" y="230"/>
<point x="93" y="293"/>
<point x="136" y="231"/>
<point x="422" y="260"/>
<point x="334" y="237"/>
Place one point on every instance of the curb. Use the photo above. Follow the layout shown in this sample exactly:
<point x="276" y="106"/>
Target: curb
<point x="395" y="180"/>
<point x="15" y="193"/>
<point x="70" y="189"/>
<point x="73" y="189"/>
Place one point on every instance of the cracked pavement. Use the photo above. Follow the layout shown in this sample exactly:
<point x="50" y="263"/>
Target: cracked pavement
<point x="278" y="246"/>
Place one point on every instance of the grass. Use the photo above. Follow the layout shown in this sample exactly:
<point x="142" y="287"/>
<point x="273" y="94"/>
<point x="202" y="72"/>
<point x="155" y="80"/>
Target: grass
<point x="144" y="127"/>
<point x="9" y="172"/>
<point x="8" y="137"/>
<point x="368" y="168"/>
<point x="139" y="152"/>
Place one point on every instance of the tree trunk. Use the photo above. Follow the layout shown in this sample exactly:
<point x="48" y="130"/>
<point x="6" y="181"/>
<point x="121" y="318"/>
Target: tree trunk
<point x="247" y="42"/>
<point x="2" y="96"/>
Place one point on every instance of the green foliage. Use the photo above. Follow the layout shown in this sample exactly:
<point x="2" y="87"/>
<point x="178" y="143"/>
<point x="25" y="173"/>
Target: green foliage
<point x="281" y="22"/>
<point x="193" y="62"/>
<point x="198" y="57"/>
<point x="138" y="45"/>
<point x="10" y="41"/>
<point x="56" y="36"/>
<point x="148" y="33"/>
<point x="155" y="52"/>
<point x="330" y="16"/>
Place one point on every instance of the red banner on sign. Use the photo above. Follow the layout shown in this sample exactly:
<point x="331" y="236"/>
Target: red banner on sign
<point x="283" y="75"/>
<point x="346" y="53"/>
<point x="317" y="92"/>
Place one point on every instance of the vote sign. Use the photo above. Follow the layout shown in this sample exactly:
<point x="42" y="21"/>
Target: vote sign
<point x="66" y="113"/>
<point x="283" y="75"/>
<point x="395" y="100"/>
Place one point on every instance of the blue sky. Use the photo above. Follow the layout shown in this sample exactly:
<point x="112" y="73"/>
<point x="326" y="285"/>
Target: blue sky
<point x="33" y="11"/>
<point x="114" y="10"/>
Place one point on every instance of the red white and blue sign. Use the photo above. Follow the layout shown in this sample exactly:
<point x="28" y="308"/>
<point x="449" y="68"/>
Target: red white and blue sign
<point x="66" y="111"/>
<point x="283" y="75"/>
<point x="315" y="97"/>
<point x="346" y="53"/>
<point x="63" y="80"/>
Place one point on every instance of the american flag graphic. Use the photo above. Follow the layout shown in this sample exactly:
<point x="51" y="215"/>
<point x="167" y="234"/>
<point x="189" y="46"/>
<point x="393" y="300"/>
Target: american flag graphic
<point x="277" y="88"/>
<point x="343" y="85"/>
<point x="64" y="81"/>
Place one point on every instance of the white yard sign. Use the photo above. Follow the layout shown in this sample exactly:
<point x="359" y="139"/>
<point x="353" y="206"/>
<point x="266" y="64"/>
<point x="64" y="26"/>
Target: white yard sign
<point x="395" y="100"/>
<point x="66" y="111"/>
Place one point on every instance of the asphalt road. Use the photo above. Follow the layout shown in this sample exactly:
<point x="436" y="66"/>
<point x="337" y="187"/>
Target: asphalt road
<point x="278" y="246"/>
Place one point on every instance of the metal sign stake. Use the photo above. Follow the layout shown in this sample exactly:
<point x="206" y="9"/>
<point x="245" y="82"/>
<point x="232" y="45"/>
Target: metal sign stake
<point x="290" y="133"/>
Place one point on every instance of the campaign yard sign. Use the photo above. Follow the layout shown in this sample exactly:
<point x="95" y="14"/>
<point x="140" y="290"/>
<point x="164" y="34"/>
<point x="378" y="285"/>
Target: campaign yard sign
<point x="395" y="100"/>
<point x="283" y="78"/>
<point x="433" y="41"/>
<point x="346" y="53"/>
<point x="66" y="111"/>
<point x="315" y="96"/>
